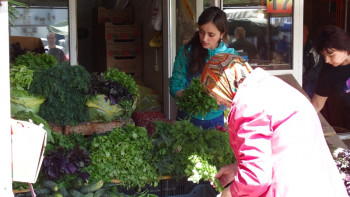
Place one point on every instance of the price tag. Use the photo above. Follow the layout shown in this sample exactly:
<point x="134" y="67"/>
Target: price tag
<point x="279" y="6"/>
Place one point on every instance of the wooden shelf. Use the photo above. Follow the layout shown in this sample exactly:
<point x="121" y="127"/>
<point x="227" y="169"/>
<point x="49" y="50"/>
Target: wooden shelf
<point x="89" y="128"/>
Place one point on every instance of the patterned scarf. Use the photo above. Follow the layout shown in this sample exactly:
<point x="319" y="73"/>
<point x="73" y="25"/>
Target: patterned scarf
<point x="223" y="73"/>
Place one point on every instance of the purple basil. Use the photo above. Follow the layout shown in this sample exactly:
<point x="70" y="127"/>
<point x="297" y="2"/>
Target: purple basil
<point x="58" y="163"/>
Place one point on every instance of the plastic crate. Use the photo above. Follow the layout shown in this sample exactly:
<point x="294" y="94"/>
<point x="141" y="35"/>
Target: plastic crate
<point x="175" y="188"/>
<point x="200" y="190"/>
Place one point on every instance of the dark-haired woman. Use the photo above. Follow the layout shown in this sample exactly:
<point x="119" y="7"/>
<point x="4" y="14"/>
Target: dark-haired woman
<point x="334" y="44"/>
<point x="191" y="58"/>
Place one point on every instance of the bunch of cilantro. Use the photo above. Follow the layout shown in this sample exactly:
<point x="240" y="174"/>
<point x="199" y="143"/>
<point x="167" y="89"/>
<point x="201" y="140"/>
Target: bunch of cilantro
<point x="123" y="154"/>
<point x="181" y="149"/>
<point x="195" y="100"/>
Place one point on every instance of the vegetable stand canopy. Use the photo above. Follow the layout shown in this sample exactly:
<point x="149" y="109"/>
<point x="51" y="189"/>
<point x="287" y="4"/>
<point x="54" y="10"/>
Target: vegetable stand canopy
<point x="60" y="28"/>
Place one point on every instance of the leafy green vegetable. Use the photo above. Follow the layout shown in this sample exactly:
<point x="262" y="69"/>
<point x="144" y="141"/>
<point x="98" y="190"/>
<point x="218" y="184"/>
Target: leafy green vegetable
<point x="180" y="146"/>
<point x="20" y="77"/>
<point x="65" y="89"/>
<point x="22" y="100"/>
<point x="124" y="79"/>
<point x="123" y="154"/>
<point x="13" y="12"/>
<point x="68" y="141"/>
<point x="114" y="93"/>
<point x="36" y="62"/>
<point x="195" y="100"/>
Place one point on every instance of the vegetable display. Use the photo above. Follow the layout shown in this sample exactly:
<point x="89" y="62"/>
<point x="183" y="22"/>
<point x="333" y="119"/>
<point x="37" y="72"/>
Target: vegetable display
<point x="123" y="154"/>
<point x="342" y="160"/>
<point x="181" y="149"/>
<point x="35" y="62"/>
<point x="195" y="100"/>
<point x="65" y="89"/>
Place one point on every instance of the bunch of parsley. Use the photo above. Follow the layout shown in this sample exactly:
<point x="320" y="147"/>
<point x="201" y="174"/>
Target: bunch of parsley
<point x="195" y="100"/>
<point x="123" y="154"/>
<point x="178" y="144"/>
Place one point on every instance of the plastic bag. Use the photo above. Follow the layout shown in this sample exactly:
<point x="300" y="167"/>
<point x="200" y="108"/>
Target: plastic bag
<point x="156" y="21"/>
<point x="157" y="15"/>
<point x="22" y="100"/>
<point x="147" y="100"/>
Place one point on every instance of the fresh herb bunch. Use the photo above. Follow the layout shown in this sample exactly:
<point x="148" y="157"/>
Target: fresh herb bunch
<point x="36" y="62"/>
<point x="60" y="162"/>
<point x="21" y="77"/>
<point x="123" y="154"/>
<point x="122" y="78"/>
<point x="113" y="90"/>
<point x="66" y="154"/>
<point x="69" y="141"/>
<point x="176" y="143"/>
<point x="66" y="91"/>
<point x="342" y="160"/>
<point x="195" y="100"/>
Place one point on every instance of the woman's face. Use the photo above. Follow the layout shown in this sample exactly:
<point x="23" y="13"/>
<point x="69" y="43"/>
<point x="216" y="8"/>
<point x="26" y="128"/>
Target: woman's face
<point x="51" y="39"/>
<point x="336" y="57"/>
<point x="209" y="35"/>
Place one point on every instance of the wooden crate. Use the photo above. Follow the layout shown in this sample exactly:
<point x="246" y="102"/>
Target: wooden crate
<point x="91" y="128"/>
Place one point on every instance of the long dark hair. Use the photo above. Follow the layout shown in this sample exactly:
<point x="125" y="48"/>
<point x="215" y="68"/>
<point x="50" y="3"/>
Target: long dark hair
<point x="198" y="54"/>
<point x="332" y="37"/>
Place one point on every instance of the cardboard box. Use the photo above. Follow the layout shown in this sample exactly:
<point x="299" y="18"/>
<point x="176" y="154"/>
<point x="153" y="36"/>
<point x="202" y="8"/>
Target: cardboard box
<point x="28" y="147"/>
<point x="125" y="65"/>
<point x="29" y="43"/>
<point x="122" y="50"/>
<point x="127" y="56"/>
<point x="110" y="31"/>
<point x="120" y="17"/>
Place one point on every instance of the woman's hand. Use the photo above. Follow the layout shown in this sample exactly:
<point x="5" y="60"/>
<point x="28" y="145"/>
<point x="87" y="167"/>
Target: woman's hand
<point x="226" y="174"/>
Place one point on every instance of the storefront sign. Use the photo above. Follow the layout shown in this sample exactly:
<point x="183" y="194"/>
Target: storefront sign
<point x="279" y="6"/>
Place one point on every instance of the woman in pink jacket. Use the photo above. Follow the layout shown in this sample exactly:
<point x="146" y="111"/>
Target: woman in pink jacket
<point x="275" y="134"/>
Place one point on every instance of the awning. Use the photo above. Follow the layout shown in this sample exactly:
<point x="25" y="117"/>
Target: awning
<point x="59" y="28"/>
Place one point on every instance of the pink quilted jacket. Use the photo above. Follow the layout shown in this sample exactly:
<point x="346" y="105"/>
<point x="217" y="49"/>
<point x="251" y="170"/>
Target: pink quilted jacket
<point x="278" y="140"/>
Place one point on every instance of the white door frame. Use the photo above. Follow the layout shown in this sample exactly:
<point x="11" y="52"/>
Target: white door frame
<point x="5" y="134"/>
<point x="73" y="39"/>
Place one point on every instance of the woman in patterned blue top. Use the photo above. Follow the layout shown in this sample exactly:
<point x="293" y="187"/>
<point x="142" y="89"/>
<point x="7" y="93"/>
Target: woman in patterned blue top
<point x="208" y="41"/>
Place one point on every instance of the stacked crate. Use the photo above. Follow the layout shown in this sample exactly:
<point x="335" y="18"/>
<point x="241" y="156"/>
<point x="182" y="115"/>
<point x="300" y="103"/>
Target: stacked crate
<point x="118" y="41"/>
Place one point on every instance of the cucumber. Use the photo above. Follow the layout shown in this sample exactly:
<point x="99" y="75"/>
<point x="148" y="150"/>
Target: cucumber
<point x="63" y="191"/>
<point x="57" y="194"/>
<point x="110" y="194"/>
<point x="42" y="191"/>
<point x="77" y="183"/>
<point x="75" y="193"/>
<point x="109" y="184"/>
<point x="45" y="195"/>
<point x="89" y="195"/>
<point x="99" y="192"/>
<point x="92" y="187"/>
<point x="50" y="185"/>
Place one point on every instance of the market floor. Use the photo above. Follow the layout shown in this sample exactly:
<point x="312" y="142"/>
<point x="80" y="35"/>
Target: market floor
<point x="345" y="137"/>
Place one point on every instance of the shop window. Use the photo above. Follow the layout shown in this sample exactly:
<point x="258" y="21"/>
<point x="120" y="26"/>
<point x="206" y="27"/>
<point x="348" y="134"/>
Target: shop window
<point x="41" y="17"/>
<point x="267" y="25"/>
